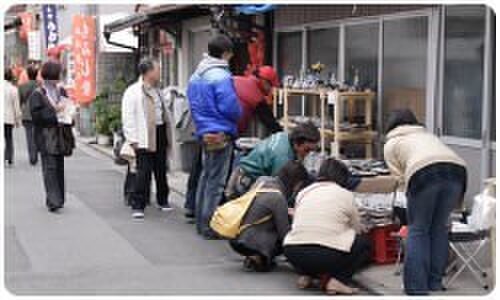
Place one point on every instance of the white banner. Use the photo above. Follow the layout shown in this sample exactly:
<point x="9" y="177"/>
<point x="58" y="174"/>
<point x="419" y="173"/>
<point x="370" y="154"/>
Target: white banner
<point x="34" y="45"/>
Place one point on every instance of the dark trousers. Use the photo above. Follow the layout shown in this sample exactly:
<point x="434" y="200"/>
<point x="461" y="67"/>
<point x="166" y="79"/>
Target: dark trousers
<point x="315" y="260"/>
<point x="149" y="163"/>
<point x="244" y="250"/>
<point x="192" y="184"/>
<point x="53" y="178"/>
<point x="9" y="144"/>
<point x="30" y="141"/>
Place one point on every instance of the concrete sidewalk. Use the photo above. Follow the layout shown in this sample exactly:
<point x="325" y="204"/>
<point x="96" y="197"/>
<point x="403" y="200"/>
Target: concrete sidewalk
<point x="377" y="279"/>
<point x="177" y="179"/>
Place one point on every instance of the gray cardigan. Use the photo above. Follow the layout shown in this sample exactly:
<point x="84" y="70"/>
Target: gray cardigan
<point x="266" y="238"/>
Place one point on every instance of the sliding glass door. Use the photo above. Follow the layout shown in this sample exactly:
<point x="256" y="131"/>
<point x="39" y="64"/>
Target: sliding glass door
<point x="468" y="89"/>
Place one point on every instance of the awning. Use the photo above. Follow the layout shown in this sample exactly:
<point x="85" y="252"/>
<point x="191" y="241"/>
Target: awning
<point x="124" y="37"/>
<point x="175" y="12"/>
<point x="166" y="15"/>
<point x="166" y="8"/>
<point x="124" y="23"/>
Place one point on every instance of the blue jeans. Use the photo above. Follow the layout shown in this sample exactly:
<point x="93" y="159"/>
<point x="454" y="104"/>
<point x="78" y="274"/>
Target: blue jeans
<point x="427" y="245"/>
<point x="216" y="166"/>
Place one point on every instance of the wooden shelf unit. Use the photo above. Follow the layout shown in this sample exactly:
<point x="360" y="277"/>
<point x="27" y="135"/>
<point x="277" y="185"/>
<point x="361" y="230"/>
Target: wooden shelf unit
<point x="338" y="100"/>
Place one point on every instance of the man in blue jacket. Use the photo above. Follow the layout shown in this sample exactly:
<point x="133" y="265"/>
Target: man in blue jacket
<point x="215" y="109"/>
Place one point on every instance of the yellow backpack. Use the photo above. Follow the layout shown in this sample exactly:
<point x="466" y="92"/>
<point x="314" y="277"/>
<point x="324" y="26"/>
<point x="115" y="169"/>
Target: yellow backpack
<point x="226" y="220"/>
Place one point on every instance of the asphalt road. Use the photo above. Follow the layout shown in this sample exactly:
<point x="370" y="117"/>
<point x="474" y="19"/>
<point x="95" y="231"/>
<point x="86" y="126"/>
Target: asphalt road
<point x="94" y="247"/>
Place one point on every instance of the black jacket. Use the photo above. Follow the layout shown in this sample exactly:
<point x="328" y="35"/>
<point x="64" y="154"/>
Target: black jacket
<point x="266" y="238"/>
<point x="25" y="91"/>
<point x="46" y="126"/>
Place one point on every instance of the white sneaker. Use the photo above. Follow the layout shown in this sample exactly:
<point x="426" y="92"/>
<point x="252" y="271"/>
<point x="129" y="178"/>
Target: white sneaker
<point x="138" y="214"/>
<point x="166" y="208"/>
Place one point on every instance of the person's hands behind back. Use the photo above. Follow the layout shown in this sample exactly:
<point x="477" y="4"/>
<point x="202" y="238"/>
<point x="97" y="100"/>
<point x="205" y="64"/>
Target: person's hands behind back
<point x="213" y="138"/>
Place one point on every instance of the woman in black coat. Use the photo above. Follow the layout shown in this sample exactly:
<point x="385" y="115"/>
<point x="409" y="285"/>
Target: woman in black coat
<point x="53" y="139"/>
<point x="260" y="243"/>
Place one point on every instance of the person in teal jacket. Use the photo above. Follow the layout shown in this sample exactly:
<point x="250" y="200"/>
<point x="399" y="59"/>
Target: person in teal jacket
<point x="270" y="155"/>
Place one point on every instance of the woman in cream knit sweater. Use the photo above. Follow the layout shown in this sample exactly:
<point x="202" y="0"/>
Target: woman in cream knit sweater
<point x="434" y="178"/>
<point x="324" y="240"/>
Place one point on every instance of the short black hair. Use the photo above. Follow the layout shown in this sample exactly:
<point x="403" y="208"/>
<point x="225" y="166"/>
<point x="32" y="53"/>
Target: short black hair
<point x="219" y="44"/>
<point x="291" y="174"/>
<point x="145" y="65"/>
<point x="334" y="170"/>
<point x="8" y="75"/>
<point x="51" y="70"/>
<point x="400" y="117"/>
<point x="304" y="133"/>
<point x="32" y="72"/>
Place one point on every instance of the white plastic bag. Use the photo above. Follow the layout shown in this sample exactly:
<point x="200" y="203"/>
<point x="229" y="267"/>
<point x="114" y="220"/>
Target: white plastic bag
<point x="482" y="216"/>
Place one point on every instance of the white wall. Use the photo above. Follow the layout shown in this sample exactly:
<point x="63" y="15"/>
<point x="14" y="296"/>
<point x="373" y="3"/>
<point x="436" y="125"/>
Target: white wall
<point x="187" y="26"/>
<point x="473" y="158"/>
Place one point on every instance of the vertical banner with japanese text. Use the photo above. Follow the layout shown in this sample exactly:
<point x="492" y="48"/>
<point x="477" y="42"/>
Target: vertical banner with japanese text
<point x="84" y="39"/>
<point x="50" y="25"/>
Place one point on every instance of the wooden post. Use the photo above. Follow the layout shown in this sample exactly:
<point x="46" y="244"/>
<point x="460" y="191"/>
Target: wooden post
<point x="368" y="111"/>
<point x="368" y="122"/>
<point x="336" y="126"/>
<point x="322" y="100"/>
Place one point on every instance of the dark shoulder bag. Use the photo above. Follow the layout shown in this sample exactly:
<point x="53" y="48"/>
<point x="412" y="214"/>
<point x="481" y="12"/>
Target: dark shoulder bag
<point x="59" y="140"/>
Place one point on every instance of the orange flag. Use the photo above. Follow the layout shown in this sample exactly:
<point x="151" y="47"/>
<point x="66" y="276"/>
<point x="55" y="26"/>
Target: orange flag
<point x="84" y="39"/>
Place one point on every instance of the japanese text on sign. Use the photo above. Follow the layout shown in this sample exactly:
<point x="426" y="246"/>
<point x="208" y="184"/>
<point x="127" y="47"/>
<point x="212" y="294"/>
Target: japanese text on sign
<point x="50" y="25"/>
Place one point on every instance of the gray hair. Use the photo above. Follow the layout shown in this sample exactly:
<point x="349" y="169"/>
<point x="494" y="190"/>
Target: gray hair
<point x="146" y="64"/>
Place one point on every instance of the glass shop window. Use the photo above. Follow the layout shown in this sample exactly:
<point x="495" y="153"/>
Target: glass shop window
<point x="463" y="70"/>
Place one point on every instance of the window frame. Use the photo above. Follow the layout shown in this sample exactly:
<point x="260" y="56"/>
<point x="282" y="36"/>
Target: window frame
<point x="432" y="14"/>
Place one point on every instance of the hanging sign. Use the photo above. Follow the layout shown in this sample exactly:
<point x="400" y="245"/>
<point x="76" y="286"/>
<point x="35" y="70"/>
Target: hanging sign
<point x="84" y="38"/>
<point x="34" y="45"/>
<point x="50" y="25"/>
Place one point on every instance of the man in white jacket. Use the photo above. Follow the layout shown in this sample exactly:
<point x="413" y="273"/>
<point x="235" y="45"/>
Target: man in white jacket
<point x="146" y="127"/>
<point x="12" y="114"/>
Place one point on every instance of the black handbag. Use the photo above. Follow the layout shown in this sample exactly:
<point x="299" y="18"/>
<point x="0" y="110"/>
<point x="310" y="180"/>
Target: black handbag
<point x="67" y="140"/>
<point x="59" y="140"/>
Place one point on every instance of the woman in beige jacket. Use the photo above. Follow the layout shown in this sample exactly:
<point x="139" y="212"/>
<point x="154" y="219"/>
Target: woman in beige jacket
<point x="435" y="181"/>
<point x="12" y="114"/>
<point x="324" y="240"/>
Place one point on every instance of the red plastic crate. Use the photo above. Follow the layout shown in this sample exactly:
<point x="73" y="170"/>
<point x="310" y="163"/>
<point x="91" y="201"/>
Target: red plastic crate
<point x="385" y="244"/>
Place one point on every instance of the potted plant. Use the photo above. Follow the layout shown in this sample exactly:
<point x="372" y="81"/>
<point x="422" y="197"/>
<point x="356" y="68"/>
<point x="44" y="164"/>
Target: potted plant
<point x="115" y="119"/>
<point x="102" y="122"/>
